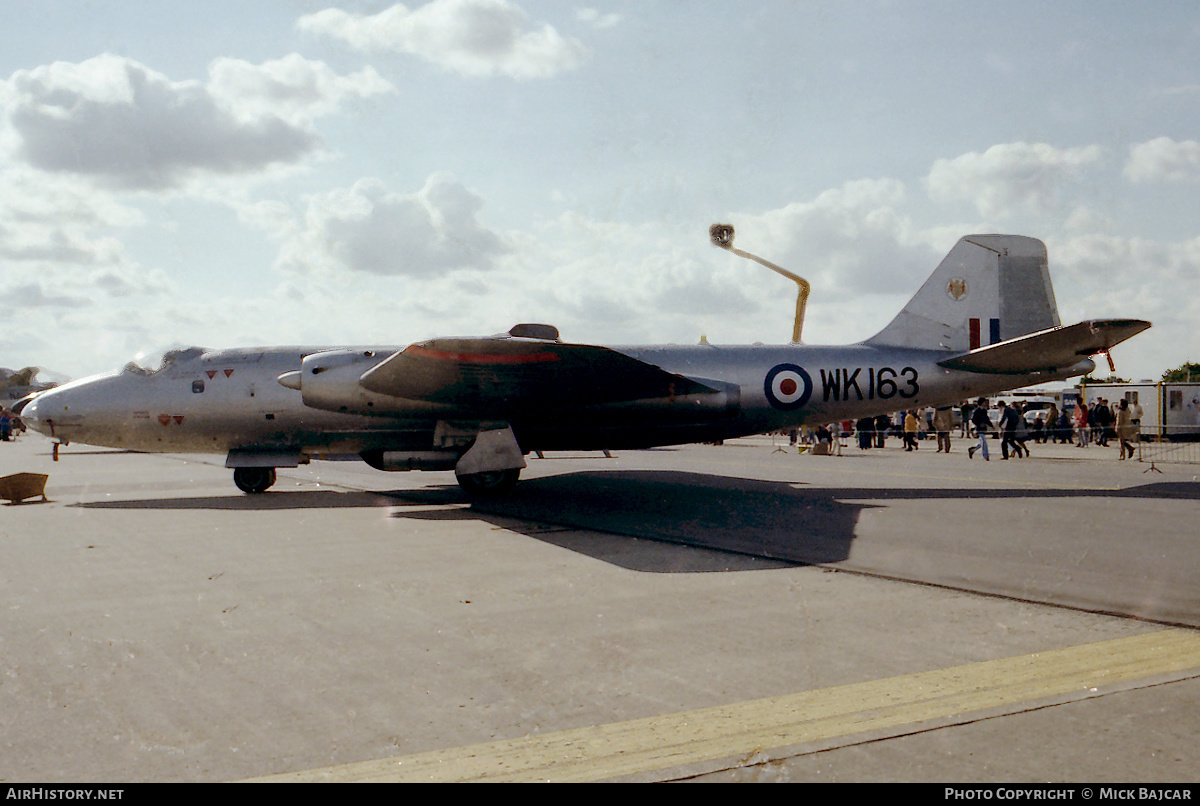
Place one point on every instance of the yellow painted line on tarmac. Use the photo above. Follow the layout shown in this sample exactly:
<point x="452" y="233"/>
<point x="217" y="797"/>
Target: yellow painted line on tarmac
<point x="756" y="728"/>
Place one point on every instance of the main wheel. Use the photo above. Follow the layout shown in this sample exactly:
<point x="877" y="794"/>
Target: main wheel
<point x="254" y="479"/>
<point x="494" y="482"/>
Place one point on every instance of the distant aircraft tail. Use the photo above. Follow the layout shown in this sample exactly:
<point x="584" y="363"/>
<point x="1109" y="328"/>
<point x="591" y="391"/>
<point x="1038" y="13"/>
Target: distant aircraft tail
<point x="990" y="288"/>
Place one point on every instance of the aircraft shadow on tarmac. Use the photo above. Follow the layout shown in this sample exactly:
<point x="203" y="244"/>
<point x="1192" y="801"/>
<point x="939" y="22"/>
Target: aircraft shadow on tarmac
<point x="741" y="524"/>
<point x="782" y="521"/>
<point x="281" y="500"/>
<point x="766" y="522"/>
<point x="762" y="521"/>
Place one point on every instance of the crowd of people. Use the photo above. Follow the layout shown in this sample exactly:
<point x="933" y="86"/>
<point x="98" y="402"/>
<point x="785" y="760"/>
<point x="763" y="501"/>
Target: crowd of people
<point x="10" y="424"/>
<point x="1015" y="427"/>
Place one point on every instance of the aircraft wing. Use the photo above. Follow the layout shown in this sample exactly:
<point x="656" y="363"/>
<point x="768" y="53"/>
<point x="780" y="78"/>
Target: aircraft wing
<point x="499" y="374"/>
<point x="1049" y="350"/>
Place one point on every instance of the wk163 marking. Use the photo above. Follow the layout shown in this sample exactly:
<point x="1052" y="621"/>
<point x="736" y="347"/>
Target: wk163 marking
<point x="869" y="383"/>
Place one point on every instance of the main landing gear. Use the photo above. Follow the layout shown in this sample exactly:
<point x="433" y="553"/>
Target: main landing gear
<point x="492" y="482"/>
<point x="254" y="479"/>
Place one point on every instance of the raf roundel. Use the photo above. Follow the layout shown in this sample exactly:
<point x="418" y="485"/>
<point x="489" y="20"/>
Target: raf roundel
<point x="787" y="387"/>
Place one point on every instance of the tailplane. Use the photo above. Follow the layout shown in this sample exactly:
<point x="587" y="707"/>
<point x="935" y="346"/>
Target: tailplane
<point x="1060" y="349"/>
<point x="988" y="289"/>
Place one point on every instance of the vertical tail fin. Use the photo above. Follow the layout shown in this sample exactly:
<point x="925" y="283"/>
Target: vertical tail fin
<point x="988" y="289"/>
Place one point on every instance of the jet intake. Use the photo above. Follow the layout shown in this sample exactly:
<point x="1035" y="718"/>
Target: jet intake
<point x="330" y="381"/>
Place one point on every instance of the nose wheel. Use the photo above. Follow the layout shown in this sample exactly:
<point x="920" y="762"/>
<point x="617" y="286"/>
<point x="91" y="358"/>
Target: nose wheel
<point x="254" y="479"/>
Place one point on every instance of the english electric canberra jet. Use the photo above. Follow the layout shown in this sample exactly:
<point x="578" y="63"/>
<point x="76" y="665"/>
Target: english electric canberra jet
<point x="984" y="322"/>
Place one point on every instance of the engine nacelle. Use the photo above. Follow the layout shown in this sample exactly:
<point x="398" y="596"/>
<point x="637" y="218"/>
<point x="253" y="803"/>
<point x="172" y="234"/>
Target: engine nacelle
<point x="330" y="381"/>
<point x="725" y="402"/>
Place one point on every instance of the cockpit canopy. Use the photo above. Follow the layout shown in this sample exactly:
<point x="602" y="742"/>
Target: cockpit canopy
<point x="155" y="361"/>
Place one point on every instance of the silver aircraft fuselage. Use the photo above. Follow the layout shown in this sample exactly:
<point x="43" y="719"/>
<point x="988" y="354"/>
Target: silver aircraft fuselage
<point x="229" y="400"/>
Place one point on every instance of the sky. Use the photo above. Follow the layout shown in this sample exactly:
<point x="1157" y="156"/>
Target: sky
<point x="234" y="174"/>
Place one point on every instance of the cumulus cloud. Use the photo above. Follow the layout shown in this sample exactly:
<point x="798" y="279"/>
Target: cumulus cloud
<point x="1164" y="160"/>
<point x="1010" y="177"/>
<point x="293" y="88"/>
<point x="128" y="127"/>
<point x="849" y="240"/>
<point x="51" y="283"/>
<point x="622" y="282"/>
<point x="56" y="242"/>
<point x="369" y="228"/>
<point x="470" y="37"/>
<point x="58" y="245"/>
<point x="74" y="134"/>
<point x="1099" y="275"/>
<point x="599" y="281"/>
<point x="34" y="295"/>
<point x="597" y="20"/>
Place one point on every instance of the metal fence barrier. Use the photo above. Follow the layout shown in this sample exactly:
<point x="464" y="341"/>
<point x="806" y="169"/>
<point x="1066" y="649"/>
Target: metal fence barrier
<point x="1171" y="443"/>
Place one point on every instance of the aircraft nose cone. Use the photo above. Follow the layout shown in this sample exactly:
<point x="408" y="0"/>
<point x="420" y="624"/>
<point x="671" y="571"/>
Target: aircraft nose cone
<point x="39" y="413"/>
<point x="20" y="405"/>
<point x="29" y="415"/>
<point x="50" y="414"/>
